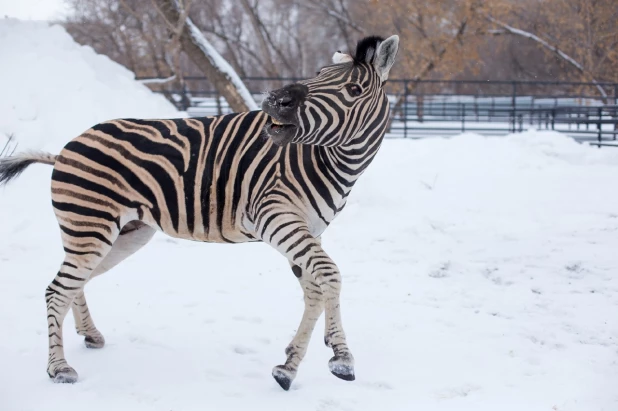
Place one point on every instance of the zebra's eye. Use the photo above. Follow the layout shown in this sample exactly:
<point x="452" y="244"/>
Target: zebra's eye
<point x="354" y="89"/>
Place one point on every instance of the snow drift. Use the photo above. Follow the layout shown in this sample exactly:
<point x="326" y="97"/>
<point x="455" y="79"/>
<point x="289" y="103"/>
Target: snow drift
<point x="478" y="273"/>
<point x="52" y="89"/>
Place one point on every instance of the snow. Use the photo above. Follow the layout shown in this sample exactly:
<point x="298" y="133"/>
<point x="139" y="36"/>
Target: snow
<point x="34" y="9"/>
<point x="53" y="89"/>
<point x="479" y="274"/>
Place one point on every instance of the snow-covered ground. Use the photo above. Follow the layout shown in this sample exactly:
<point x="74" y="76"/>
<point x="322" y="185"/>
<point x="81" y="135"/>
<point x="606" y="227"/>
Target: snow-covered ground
<point x="479" y="274"/>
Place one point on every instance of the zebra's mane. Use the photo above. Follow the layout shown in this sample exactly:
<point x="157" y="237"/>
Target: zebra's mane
<point x="366" y="49"/>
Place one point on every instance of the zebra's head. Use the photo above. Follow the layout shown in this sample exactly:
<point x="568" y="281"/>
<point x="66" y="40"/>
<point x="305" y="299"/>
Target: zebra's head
<point x="344" y="100"/>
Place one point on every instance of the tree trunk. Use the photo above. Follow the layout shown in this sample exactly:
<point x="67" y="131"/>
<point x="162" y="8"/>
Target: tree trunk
<point x="209" y="61"/>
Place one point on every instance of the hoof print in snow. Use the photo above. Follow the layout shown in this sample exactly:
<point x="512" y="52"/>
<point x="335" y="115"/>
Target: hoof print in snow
<point x="575" y="267"/>
<point x="454" y="392"/>
<point x="442" y="271"/>
<point x="240" y="349"/>
<point x="283" y="376"/>
<point x="575" y="271"/>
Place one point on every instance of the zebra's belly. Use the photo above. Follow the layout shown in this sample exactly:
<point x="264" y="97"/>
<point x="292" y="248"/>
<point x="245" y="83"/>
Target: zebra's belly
<point x="228" y="231"/>
<point x="224" y="238"/>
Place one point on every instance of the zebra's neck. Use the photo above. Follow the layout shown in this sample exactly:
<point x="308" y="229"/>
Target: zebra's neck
<point x="355" y="156"/>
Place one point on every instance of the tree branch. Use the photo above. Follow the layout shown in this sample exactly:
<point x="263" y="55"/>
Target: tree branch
<point x="330" y="12"/>
<point x="158" y="80"/>
<point x="206" y="57"/>
<point x="512" y="30"/>
<point x="257" y="28"/>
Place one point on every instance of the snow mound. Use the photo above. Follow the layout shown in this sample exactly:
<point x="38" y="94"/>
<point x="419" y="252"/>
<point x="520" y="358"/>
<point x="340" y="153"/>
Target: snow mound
<point x="53" y="88"/>
<point x="490" y="170"/>
<point x="551" y="144"/>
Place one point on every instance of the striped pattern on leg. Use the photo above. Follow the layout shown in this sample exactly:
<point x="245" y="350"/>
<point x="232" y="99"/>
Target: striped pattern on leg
<point x="296" y="350"/>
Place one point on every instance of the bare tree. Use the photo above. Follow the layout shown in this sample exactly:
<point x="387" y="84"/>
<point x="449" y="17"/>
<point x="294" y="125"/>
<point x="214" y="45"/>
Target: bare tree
<point x="579" y="34"/>
<point x="204" y="55"/>
<point x="441" y="39"/>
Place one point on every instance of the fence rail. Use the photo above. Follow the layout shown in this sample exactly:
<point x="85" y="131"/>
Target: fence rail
<point x="448" y="107"/>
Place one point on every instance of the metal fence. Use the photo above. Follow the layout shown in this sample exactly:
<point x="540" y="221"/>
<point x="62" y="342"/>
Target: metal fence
<point x="449" y="107"/>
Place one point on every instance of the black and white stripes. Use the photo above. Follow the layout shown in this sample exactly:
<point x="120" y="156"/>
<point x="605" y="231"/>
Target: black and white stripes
<point x="280" y="176"/>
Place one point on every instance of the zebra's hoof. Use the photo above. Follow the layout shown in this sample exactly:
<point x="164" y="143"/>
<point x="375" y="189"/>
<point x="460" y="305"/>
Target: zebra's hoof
<point x="66" y="375"/>
<point x="94" y="341"/>
<point x="283" y="376"/>
<point x="342" y="367"/>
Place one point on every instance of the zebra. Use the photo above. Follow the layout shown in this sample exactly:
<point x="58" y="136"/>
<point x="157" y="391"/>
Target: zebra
<point x="278" y="175"/>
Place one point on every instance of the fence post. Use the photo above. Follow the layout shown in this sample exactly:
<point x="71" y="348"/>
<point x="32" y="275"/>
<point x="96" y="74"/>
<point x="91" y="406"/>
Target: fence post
<point x="219" y="108"/>
<point x="600" y="113"/>
<point x="405" y="109"/>
<point x="463" y="117"/>
<point x="615" y="109"/>
<point x="520" y="120"/>
<point x="184" y="100"/>
<point x="514" y="103"/>
<point x="615" y="121"/>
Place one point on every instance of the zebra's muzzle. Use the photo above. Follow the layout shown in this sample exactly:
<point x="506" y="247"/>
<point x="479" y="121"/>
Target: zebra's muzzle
<point x="280" y="133"/>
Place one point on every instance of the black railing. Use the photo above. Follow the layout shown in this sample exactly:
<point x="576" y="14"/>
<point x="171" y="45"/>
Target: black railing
<point x="596" y="125"/>
<point x="448" y="107"/>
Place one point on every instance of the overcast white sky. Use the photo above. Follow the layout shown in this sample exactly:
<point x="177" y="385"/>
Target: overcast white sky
<point x="32" y="9"/>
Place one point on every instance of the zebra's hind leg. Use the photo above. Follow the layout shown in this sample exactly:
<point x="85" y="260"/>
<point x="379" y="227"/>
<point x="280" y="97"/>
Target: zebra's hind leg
<point x="133" y="236"/>
<point x="296" y="350"/>
<point x="84" y="323"/>
<point x="81" y="259"/>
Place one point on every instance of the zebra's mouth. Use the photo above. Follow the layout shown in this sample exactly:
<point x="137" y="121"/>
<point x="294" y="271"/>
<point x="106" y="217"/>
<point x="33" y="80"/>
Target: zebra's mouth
<point x="278" y="126"/>
<point x="280" y="133"/>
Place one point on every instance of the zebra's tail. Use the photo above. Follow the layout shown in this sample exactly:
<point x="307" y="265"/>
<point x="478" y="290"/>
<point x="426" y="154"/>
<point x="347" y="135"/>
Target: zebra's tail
<point x="11" y="167"/>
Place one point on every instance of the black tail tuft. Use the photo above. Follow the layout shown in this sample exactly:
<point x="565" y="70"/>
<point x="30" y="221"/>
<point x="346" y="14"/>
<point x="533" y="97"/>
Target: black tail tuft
<point x="11" y="167"/>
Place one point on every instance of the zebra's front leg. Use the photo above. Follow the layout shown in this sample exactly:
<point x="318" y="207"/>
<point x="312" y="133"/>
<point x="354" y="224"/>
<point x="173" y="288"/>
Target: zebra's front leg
<point x="296" y="350"/>
<point x="329" y="278"/>
<point x="297" y="244"/>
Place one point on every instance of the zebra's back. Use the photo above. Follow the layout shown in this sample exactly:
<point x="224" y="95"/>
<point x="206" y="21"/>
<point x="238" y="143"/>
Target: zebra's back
<point x="188" y="177"/>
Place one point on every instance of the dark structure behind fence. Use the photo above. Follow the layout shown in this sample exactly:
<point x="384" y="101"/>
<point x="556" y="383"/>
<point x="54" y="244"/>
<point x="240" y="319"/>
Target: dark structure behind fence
<point x="448" y="107"/>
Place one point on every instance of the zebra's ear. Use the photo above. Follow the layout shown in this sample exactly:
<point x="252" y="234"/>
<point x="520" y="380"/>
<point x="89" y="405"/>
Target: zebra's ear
<point x="385" y="56"/>
<point x="340" y="57"/>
